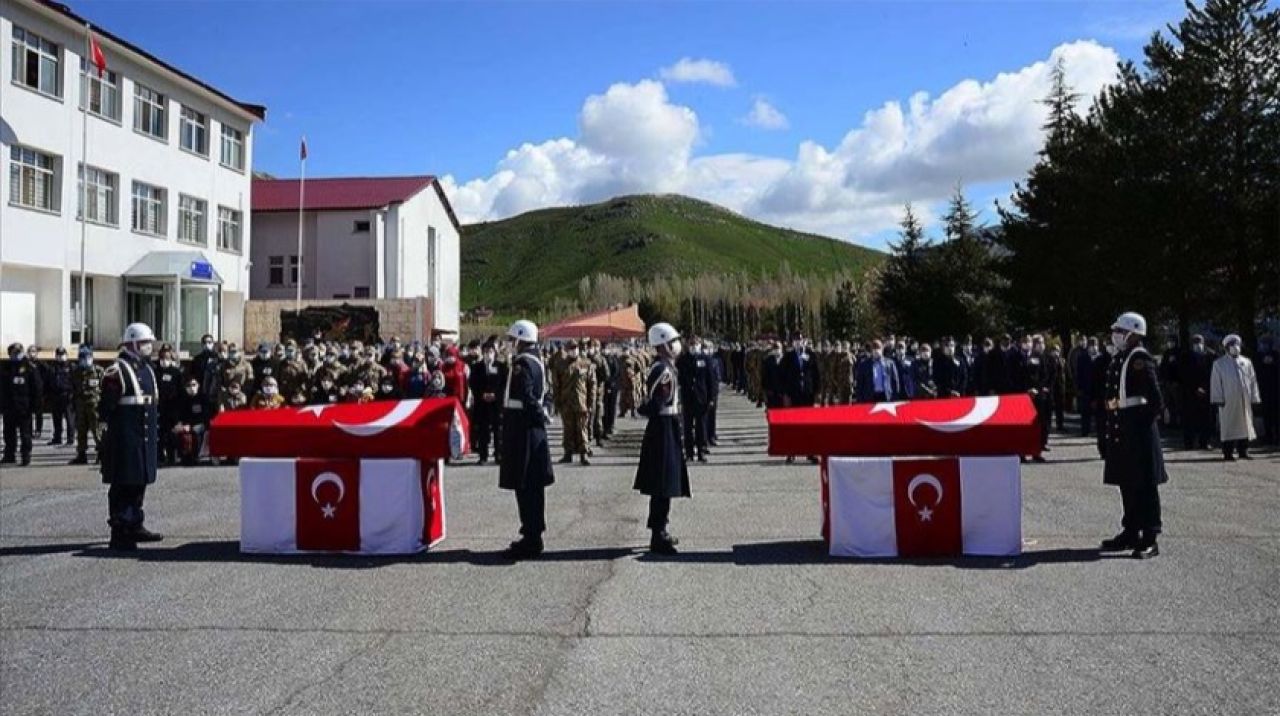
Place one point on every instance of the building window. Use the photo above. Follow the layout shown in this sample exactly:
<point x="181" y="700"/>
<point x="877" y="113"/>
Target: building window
<point x="360" y="292"/>
<point x="294" y="266"/>
<point x="149" y="112"/>
<point x="360" y="227"/>
<point x="33" y="179"/>
<point x="100" y="95"/>
<point x="275" y="270"/>
<point x="232" y="148"/>
<point x="228" y="229"/>
<point x="192" y="213"/>
<point x="99" y="195"/>
<point x="432" y="250"/>
<point x="194" y="132"/>
<point x="148" y="209"/>
<point x="36" y="63"/>
<point x="81" y="316"/>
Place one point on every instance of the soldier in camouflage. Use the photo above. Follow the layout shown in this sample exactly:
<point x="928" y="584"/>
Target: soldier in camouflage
<point x="86" y="383"/>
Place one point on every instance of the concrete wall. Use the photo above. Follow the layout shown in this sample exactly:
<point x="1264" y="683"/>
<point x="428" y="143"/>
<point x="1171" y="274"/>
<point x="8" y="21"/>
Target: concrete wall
<point x="407" y="318"/>
<point x="335" y="258"/>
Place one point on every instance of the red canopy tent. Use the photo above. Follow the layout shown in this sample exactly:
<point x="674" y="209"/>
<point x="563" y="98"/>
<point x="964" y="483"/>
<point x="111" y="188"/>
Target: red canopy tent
<point x="610" y="324"/>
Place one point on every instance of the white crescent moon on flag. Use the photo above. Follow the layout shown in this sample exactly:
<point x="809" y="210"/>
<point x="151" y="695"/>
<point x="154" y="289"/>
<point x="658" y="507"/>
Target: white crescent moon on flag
<point x="321" y="479"/>
<point x="403" y="409"/>
<point x="983" y="408"/>
<point x="925" y="479"/>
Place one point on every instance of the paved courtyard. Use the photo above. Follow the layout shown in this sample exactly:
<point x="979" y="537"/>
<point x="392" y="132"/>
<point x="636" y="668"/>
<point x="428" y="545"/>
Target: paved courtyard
<point x="751" y="618"/>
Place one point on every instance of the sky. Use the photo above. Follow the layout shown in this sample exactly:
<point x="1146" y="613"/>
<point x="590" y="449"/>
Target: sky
<point x="818" y="116"/>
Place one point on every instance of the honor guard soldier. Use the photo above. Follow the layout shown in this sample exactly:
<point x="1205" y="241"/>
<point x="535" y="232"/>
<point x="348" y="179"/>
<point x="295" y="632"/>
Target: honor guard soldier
<point x="129" y="409"/>
<point x="1131" y="441"/>
<point x="21" y="397"/>
<point x="86" y="383"/>
<point x="663" y="472"/>
<point x="526" y="454"/>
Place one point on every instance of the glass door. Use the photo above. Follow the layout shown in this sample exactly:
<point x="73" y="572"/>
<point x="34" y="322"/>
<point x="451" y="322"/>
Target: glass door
<point x="145" y="304"/>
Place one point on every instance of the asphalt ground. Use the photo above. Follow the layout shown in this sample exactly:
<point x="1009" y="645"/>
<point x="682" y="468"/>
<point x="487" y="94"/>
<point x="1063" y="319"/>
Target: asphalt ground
<point x="750" y="618"/>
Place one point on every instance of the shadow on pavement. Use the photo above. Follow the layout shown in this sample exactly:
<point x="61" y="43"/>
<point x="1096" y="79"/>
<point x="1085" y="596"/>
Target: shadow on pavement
<point x="29" y="550"/>
<point x="814" y="552"/>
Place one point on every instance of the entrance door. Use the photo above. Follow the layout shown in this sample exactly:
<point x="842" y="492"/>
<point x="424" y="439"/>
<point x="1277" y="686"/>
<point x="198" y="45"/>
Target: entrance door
<point x="145" y="304"/>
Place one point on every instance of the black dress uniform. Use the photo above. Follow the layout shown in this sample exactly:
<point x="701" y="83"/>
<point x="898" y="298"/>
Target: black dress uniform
<point x="1131" y="445"/>
<point x="169" y="385"/>
<point x="486" y="382"/>
<point x="129" y="408"/>
<point x="949" y="375"/>
<point x="21" y="393"/>
<point x="57" y="383"/>
<point x="696" y="381"/>
<point x="663" y="472"/>
<point x="526" y="454"/>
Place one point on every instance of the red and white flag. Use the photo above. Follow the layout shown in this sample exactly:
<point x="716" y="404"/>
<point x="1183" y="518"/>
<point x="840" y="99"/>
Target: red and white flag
<point x="98" y="58"/>
<point x="924" y="507"/>
<point x="340" y="505"/>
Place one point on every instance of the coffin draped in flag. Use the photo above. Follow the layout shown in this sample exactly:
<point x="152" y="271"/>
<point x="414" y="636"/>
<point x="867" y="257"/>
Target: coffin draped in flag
<point x="340" y="505"/>
<point x="427" y="429"/>
<point x="986" y="425"/>
<point x="923" y="507"/>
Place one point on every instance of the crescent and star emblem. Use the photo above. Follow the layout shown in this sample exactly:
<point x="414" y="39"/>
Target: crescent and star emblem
<point x="983" y="408"/>
<point x="403" y="409"/>
<point x="329" y="508"/>
<point x="925" y="512"/>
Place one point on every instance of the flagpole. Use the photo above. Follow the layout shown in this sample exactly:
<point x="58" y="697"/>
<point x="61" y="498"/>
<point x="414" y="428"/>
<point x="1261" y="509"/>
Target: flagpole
<point x="302" y="184"/>
<point x="84" y="180"/>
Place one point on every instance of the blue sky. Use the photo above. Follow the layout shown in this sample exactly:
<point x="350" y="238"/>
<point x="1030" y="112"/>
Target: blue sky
<point x="451" y="88"/>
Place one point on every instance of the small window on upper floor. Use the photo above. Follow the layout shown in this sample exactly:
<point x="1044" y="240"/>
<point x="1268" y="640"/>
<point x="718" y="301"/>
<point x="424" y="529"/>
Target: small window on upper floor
<point x="360" y="227"/>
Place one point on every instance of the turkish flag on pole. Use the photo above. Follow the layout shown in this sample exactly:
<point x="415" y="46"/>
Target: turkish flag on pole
<point x="302" y="150"/>
<point x="924" y="507"/>
<point x="96" y="55"/>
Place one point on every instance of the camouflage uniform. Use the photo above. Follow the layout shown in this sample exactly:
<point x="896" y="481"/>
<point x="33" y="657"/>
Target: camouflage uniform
<point x="577" y="392"/>
<point x="86" y="385"/>
<point x="602" y="376"/>
<point x="239" y="372"/>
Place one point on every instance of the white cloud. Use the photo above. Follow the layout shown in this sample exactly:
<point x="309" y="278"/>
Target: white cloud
<point x="765" y="116"/>
<point x="632" y="138"/>
<point x="703" y="71"/>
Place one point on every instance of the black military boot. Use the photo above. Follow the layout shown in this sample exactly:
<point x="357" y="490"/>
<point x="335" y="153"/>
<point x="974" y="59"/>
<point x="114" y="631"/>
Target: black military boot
<point x="123" y="541"/>
<point x="1121" y="542"/>
<point x="7" y="460"/>
<point x="524" y="548"/>
<point x="1146" y="548"/>
<point x="142" y="534"/>
<point x="584" y="461"/>
<point x="79" y="459"/>
<point x="662" y="543"/>
<point x="26" y="459"/>
<point x="567" y="459"/>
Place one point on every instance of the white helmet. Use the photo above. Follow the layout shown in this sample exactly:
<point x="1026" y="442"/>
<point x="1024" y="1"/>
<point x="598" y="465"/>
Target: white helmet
<point x="523" y="330"/>
<point x="137" y="332"/>
<point x="661" y="334"/>
<point x="1131" y="322"/>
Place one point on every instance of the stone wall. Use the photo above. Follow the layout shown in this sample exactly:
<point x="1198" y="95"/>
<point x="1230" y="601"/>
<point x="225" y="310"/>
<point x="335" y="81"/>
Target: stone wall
<point x="405" y="318"/>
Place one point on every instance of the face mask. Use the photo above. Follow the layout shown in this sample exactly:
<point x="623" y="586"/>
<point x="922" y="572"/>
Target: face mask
<point x="192" y="391"/>
<point x="386" y="389"/>
<point x="924" y="355"/>
<point x="1233" y="350"/>
<point x="208" y="345"/>
<point x="264" y="354"/>
<point x="573" y="355"/>
<point x="1026" y="347"/>
<point x="450" y="360"/>
<point x="489" y="356"/>
<point x="235" y="357"/>
<point x="331" y="359"/>
<point x="357" y="389"/>
<point x="222" y="356"/>
<point x="1093" y="351"/>
<point x="948" y="351"/>
<point x="166" y="363"/>
<point x="289" y="353"/>
<point x="326" y="384"/>
<point x="269" y="390"/>
<point x="1119" y="339"/>
<point x="1198" y="348"/>
<point x="676" y="347"/>
<point x="145" y="349"/>
<point x="86" y="362"/>
<point x="877" y="353"/>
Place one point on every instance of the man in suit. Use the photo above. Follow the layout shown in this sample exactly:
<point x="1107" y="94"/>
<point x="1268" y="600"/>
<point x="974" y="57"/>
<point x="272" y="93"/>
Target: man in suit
<point x="801" y="377"/>
<point x="877" y="376"/>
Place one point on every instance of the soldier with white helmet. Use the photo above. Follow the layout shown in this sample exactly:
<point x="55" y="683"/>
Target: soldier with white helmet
<point x="526" y="454"/>
<point x="1130" y="439"/>
<point x="663" y="472"/>
<point x="130" y="412"/>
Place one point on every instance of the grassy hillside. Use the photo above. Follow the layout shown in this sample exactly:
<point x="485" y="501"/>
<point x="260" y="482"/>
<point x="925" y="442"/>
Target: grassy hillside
<point x="528" y="260"/>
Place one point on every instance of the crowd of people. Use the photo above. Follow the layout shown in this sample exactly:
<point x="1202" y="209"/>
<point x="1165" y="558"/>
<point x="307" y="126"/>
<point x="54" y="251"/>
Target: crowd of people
<point x="591" y="384"/>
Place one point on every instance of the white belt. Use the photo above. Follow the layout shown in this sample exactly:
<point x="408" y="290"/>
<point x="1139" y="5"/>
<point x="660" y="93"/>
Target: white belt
<point x="136" y="400"/>
<point x="515" y="405"/>
<point x="669" y="411"/>
<point x="1133" y="402"/>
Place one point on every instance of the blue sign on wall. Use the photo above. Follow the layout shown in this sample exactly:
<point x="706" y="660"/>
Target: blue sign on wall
<point x="202" y="270"/>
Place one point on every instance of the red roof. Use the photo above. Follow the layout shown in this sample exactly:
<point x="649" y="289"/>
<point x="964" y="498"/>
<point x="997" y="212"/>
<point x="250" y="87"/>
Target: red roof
<point x="343" y="193"/>
<point x="609" y="324"/>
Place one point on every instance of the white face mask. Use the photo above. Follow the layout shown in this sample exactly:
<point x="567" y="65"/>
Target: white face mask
<point x="145" y="350"/>
<point x="1119" y="339"/>
<point x="1233" y="350"/>
<point x="676" y="347"/>
<point x="924" y="355"/>
<point x="192" y="391"/>
<point x="269" y="390"/>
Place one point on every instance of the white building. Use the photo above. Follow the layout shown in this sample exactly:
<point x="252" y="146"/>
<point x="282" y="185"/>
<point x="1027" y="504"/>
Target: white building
<point x="169" y="165"/>
<point x="371" y="237"/>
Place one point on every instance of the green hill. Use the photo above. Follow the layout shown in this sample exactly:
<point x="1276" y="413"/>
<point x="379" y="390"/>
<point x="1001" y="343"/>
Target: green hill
<point x="528" y="260"/>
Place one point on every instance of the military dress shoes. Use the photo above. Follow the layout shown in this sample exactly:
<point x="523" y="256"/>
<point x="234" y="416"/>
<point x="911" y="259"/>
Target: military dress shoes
<point x="1121" y="542"/>
<point x="662" y="543"/>
<point x="524" y="548"/>
<point x="566" y="459"/>
<point x="26" y="460"/>
<point x="142" y="534"/>
<point x="1146" y="550"/>
<point x="7" y="460"/>
<point x="79" y="460"/>
<point x="122" y="541"/>
<point x="584" y="461"/>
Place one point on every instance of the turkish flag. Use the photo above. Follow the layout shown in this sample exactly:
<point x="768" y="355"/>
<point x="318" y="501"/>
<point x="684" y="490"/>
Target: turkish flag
<point x="327" y="494"/>
<point x="926" y="507"/>
<point x="99" y="58"/>
<point x="923" y="507"/>
<point x="432" y="503"/>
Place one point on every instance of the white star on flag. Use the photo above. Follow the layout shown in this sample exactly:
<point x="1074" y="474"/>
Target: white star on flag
<point x="890" y="408"/>
<point x="315" y="410"/>
<point x="926" y="514"/>
<point x="329" y="510"/>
